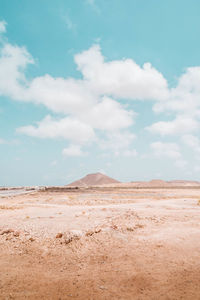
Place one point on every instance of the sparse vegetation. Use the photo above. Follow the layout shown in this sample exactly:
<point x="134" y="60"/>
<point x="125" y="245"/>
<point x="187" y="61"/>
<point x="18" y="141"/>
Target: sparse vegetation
<point x="6" y="207"/>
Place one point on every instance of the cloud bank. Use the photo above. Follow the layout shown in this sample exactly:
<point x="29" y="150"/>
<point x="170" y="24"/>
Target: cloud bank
<point x="91" y="109"/>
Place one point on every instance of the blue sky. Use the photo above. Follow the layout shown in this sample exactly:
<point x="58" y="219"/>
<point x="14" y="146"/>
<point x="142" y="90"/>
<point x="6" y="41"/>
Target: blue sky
<point x="99" y="85"/>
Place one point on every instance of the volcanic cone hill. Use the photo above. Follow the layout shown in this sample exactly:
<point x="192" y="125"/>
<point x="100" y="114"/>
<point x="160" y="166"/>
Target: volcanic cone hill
<point x="94" y="179"/>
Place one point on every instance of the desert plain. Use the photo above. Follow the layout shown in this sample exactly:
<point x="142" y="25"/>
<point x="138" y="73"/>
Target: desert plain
<point x="104" y="242"/>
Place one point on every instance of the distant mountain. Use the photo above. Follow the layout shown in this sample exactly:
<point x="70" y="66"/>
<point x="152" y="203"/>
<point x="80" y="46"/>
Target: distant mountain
<point x="102" y="179"/>
<point x="152" y="183"/>
<point x="184" y="183"/>
<point x="94" y="179"/>
<point x="162" y="183"/>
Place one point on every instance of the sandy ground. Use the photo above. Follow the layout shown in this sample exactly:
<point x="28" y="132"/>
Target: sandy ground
<point x="98" y="244"/>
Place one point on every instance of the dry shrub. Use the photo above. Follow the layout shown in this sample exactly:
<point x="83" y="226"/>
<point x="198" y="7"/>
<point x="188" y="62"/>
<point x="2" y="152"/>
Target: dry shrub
<point x="8" y="207"/>
<point x="71" y="197"/>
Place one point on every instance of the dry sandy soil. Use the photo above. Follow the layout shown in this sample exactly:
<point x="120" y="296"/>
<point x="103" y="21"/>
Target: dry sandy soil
<point x="101" y="244"/>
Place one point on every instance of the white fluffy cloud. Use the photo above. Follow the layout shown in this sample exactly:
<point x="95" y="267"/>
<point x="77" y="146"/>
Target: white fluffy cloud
<point x="60" y="95"/>
<point x="121" y="78"/>
<point x="108" y="115"/>
<point x="85" y="108"/>
<point x="88" y="109"/>
<point x="180" y="125"/>
<point x="170" y="150"/>
<point x="2" y="26"/>
<point x="13" y="61"/>
<point x="119" y="143"/>
<point x="184" y="98"/>
<point x="73" y="150"/>
<point x="192" y="141"/>
<point x="118" y="79"/>
<point x="66" y="128"/>
<point x="184" y="101"/>
<point x="89" y="104"/>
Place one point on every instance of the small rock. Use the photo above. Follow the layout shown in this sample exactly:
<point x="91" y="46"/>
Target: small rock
<point x="72" y="235"/>
<point x="114" y="227"/>
<point x="89" y="233"/>
<point x="59" y="235"/>
<point x="130" y="228"/>
<point x="102" y="287"/>
<point x="139" y="226"/>
<point x="16" y="233"/>
<point x="68" y="240"/>
<point x="7" y="231"/>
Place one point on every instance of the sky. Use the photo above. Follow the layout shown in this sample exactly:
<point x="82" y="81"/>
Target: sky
<point x="109" y="86"/>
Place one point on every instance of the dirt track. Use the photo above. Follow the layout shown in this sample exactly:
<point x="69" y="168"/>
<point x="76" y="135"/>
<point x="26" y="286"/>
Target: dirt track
<point x="120" y="244"/>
